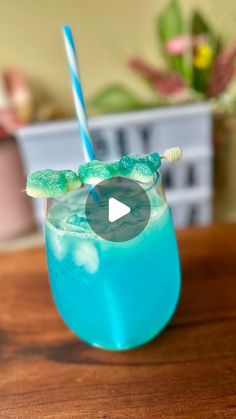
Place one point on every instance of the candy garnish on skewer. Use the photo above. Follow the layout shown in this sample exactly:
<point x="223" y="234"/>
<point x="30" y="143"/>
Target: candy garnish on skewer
<point x="137" y="167"/>
<point x="55" y="183"/>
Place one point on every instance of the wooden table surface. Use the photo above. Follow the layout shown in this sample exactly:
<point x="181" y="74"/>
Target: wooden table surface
<point x="189" y="371"/>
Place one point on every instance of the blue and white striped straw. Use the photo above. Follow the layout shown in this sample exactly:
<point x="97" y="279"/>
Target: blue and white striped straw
<point x="78" y="94"/>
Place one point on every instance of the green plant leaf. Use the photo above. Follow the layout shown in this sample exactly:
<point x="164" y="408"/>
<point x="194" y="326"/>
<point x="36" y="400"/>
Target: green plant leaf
<point x="170" y="22"/>
<point x="199" y="26"/>
<point x="201" y="80"/>
<point x="116" y="98"/>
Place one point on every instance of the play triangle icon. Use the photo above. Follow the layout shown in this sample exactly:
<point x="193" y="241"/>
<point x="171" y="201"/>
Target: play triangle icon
<point x="116" y="210"/>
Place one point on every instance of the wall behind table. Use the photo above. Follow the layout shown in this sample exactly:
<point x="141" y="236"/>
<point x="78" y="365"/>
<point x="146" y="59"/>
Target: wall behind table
<point x="108" y="31"/>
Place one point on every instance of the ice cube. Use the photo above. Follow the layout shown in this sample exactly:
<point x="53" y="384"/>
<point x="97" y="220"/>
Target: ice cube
<point x="58" y="245"/>
<point x="75" y="222"/>
<point x="86" y="256"/>
<point x="57" y="213"/>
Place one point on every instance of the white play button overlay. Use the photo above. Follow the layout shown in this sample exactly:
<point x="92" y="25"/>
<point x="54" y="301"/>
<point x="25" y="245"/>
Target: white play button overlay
<point x="120" y="211"/>
<point x="116" y="210"/>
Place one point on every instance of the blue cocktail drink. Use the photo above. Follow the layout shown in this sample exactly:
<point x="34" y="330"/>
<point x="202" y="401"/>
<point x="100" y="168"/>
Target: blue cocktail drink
<point x="115" y="283"/>
<point x="113" y="295"/>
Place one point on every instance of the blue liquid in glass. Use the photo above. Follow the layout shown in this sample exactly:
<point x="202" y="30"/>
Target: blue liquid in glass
<point x="114" y="295"/>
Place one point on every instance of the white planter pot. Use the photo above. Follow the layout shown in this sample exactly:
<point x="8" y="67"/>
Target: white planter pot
<point x="188" y="183"/>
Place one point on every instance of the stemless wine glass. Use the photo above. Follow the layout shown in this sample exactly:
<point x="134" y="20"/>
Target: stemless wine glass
<point x="113" y="295"/>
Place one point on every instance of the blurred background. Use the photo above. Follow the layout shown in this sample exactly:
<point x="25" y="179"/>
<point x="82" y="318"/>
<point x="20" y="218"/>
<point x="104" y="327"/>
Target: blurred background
<point x="155" y="75"/>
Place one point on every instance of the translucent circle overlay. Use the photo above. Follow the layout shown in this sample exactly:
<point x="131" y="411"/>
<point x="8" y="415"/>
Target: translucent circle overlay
<point x="127" y="192"/>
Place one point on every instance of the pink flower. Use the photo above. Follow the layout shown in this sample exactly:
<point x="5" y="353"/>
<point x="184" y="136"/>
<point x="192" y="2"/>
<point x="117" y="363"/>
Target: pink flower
<point x="178" y="45"/>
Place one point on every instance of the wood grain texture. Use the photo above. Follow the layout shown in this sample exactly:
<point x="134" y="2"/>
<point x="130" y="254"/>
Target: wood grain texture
<point x="189" y="371"/>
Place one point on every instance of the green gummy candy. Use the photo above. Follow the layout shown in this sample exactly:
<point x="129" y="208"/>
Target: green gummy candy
<point x="94" y="172"/>
<point x="126" y="164"/>
<point x="51" y="183"/>
<point x="154" y="160"/>
<point x="140" y="168"/>
<point x="137" y="167"/>
<point x="114" y="168"/>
